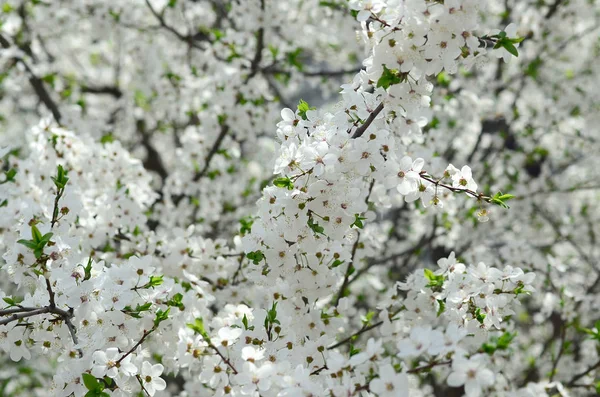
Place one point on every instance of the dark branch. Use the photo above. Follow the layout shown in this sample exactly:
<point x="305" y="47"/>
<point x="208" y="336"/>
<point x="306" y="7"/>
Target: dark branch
<point x="361" y="130"/>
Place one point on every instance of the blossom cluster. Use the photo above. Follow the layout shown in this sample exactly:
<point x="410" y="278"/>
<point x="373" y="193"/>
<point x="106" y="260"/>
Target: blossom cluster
<point x="175" y="226"/>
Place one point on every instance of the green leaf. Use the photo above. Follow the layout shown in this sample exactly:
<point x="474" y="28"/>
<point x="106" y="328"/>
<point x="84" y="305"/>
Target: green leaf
<point x="91" y="383"/>
<point x="479" y="316"/>
<point x="38" y="252"/>
<point x="304" y="107"/>
<point x="155" y="281"/>
<point x="435" y="280"/>
<point x="358" y="221"/>
<point x="177" y="301"/>
<point x="500" y="198"/>
<point x="292" y="58"/>
<point x="161" y="316"/>
<point x="505" y="339"/>
<point x="28" y="243"/>
<point x="272" y="314"/>
<point x="46" y="238"/>
<point x="36" y="234"/>
<point x="10" y="175"/>
<point x="9" y="301"/>
<point x="61" y="179"/>
<point x="442" y="307"/>
<point x="246" y="225"/>
<point x="390" y="77"/>
<point x="87" y="270"/>
<point x="107" y="138"/>
<point x="336" y="263"/>
<point x="284" y="182"/>
<point x="198" y="327"/>
<point x="255" y="256"/>
<point x="315" y="226"/>
<point x="509" y="46"/>
<point x="366" y="320"/>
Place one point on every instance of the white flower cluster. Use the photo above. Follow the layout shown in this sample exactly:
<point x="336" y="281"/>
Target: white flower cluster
<point x="233" y="261"/>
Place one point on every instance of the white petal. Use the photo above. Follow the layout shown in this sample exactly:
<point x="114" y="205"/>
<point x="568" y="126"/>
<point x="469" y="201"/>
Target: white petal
<point x="456" y="379"/>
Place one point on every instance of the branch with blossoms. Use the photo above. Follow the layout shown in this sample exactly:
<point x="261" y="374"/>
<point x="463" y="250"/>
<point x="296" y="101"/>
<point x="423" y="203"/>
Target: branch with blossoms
<point x="37" y="245"/>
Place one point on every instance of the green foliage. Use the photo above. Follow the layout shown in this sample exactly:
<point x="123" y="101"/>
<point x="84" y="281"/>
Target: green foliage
<point x="436" y="281"/>
<point x="61" y="179"/>
<point x="390" y="77"/>
<point x="499" y="343"/>
<point x="293" y="58"/>
<point x="358" y="221"/>
<point x="9" y="176"/>
<point x="95" y="388"/>
<point x="479" y="316"/>
<point x="37" y="242"/>
<point x="304" y="107"/>
<point x="245" y="323"/>
<point x="284" y="182"/>
<point x="501" y="199"/>
<point x="198" y="327"/>
<point x="315" y="227"/>
<point x="161" y="316"/>
<point x="138" y="309"/>
<point x="246" y="225"/>
<point x="507" y="43"/>
<point x="255" y="256"/>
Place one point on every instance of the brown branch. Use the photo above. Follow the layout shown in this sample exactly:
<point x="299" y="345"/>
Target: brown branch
<point x="428" y="367"/>
<point x="561" y="350"/>
<point x="37" y="84"/>
<point x="316" y="73"/>
<point x="105" y="89"/>
<point x="139" y="342"/>
<point x="226" y="360"/>
<point x="580" y="375"/>
<point x="260" y="45"/>
<point x="361" y="130"/>
<point x="18" y="316"/>
<point x="213" y="151"/>
<point x="354" y="335"/>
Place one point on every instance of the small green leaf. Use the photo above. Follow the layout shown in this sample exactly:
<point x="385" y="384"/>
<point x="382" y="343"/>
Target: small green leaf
<point x="28" y="243"/>
<point x="198" y="327"/>
<point x="161" y="316"/>
<point x="9" y="301"/>
<point x="155" y="281"/>
<point x="358" y="221"/>
<point x="284" y="182"/>
<point x="255" y="256"/>
<point x="336" y="263"/>
<point x="293" y="58"/>
<point x="442" y="307"/>
<point x="366" y="320"/>
<point x="304" y="107"/>
<point x="390" y="77"/>
<point x="91" y="383"/>
<point x="315" y="227"/>
<point x="435" y="280"/>
<point x="479" y="316"/>
<point x="36" y="234"/>
<point x="107" y="138"/>
<point x="10" y="175"/>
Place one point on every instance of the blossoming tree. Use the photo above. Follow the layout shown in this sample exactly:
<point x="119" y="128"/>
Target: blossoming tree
<point x="176" y="221"/>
